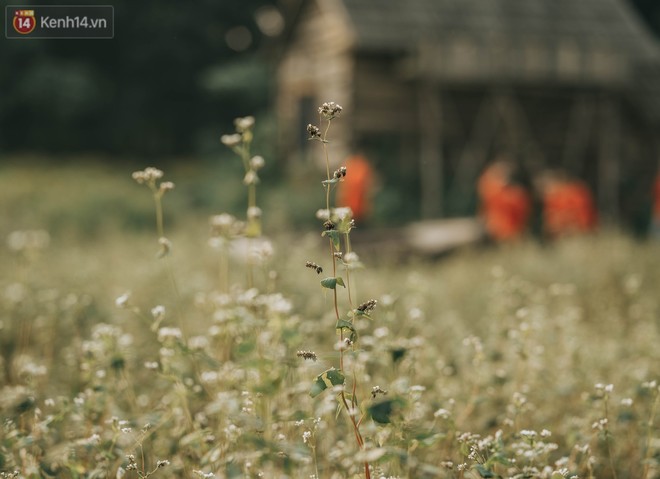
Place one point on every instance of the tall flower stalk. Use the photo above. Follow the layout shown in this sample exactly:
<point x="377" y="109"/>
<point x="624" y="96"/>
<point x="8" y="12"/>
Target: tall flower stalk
<point x="240" y="143"/>
<point x="337" y="226"/>
<point x="150" y="177"/>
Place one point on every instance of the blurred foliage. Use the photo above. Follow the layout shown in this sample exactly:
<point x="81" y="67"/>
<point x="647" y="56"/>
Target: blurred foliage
<point x="649" y="10"/>
<point x="166" y="80"/>
<point x="86" y="197"/>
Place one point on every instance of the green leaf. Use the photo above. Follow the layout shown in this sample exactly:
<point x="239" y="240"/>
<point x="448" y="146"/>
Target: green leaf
<point x="483" y="472"/>
<point x="334" y="236"/>
<point x="383" y="411"/>
<point x="331" y="283"/>
<point x="499" y="458"/>
<point x="327" y="379"/>
<point x="342" y="323"/>
<point x="361" y="314"/>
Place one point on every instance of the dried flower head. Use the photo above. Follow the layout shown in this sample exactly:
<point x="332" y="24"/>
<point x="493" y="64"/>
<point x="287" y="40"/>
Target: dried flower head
<point x="149" y="175"/>
<point x="376" y="390"/>
<point x="329" y="225"/>
<point x="340" y="172"/>
<point x="330" y="110"/>
<point x="313" y="131"/>
<point x="368" y="307"/>
<point x="307" y="355"/>
<point x="314" y="266"/>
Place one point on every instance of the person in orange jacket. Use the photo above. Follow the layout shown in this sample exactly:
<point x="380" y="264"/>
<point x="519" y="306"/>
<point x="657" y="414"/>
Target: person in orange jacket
<point x="568" y="205"/>
<point x="356" y="188"/>
<point x="505" y="205"/>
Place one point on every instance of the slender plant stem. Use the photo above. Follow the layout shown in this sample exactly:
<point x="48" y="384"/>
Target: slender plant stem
<point x="608" y="442"/>
<point x="349" y="409"/>
<point x="649" y="434"/>
<point x="159" y="214"/>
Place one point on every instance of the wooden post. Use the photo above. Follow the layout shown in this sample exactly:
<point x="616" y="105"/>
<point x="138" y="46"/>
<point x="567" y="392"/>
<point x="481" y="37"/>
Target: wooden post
<point x="431" y="165"/>
<point x="474" y="154"/>
<point x="608" y="160"/>
<point x="578" y="133"/>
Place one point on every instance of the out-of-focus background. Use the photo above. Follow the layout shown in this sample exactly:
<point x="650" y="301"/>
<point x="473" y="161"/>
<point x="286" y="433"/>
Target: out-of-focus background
<point x="433" y="92"/>
<point x="172" y="325"/>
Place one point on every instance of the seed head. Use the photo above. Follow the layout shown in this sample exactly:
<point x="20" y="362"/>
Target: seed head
<point x="329" y="225"/>
<point x="307" y="355"/>
<point x="339" y="173"/>
<point x="368" y="307"/>
<point x="314" y="132"/>
<point x="376" y="390"/>
<point x="314" y="266"/>
<point x="330" y="110"/>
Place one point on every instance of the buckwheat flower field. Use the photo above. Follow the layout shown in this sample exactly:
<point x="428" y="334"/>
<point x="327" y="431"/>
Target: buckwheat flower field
<point x="215" y="349"/>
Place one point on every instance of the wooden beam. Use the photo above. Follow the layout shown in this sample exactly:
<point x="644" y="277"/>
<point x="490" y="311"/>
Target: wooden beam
<point x="474" y="154"/>
<point x="578" y="133"/>
<point x="431" y="164"/>
<point x="609" y="154"/>
<point x="519" y="131"/>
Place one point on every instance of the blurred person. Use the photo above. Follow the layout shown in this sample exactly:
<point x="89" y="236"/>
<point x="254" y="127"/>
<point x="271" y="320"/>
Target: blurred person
<point x="505" y="204"/>
<point x="568" y="205"/>
<point x="356" y="188"/>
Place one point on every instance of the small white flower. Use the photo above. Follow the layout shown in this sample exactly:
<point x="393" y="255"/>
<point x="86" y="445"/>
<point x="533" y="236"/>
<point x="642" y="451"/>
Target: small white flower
<point x="243" y="124"/>
<point x="442" y="413"/>
<point x="158" y="312"/>
<point x="169" y="334"/>
<point x="257" y="162"/>
<point x="323" y="214"/>
<point x="122" y="301"/>
<point x="231" y="140"/>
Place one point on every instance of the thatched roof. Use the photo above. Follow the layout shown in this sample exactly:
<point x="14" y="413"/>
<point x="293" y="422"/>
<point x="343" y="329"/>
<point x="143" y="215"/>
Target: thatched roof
<point x="383" y="24"/>
<point x="577" y="40"/>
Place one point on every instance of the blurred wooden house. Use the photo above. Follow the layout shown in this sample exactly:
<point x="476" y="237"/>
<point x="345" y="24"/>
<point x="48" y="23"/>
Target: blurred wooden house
<point x="436" y="88"/>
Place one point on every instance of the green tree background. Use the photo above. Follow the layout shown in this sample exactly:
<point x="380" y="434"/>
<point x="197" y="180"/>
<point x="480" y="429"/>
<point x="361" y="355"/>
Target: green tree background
<point x="165" y="84"/>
